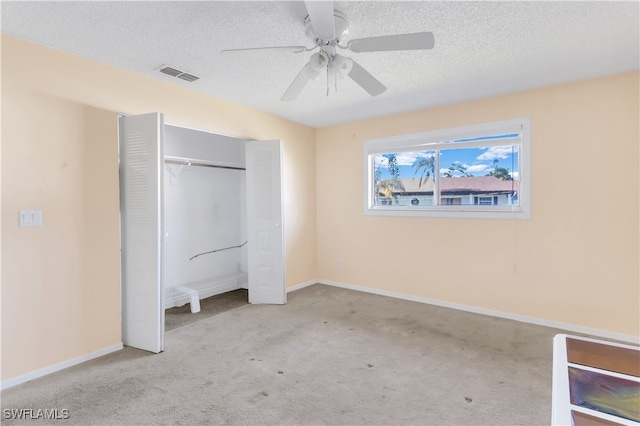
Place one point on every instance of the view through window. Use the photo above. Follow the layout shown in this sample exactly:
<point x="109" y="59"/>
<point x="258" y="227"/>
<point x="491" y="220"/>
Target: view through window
<point x="450" y="171"/>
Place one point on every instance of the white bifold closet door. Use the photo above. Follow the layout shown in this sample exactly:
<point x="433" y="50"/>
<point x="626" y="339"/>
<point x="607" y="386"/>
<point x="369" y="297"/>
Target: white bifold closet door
<point x="264" y="222"/>
<point x="141" y="226"/>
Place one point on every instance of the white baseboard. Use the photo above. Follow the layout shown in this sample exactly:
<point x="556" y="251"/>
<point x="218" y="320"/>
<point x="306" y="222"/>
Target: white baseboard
<point x="302" y="285"/>
<point x="60" y="366"/>
<point x="521" y="318"/>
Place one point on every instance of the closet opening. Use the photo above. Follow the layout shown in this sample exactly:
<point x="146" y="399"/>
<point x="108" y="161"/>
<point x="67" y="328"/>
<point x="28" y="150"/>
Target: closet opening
<point x="205" y="232"/>
<point x="200" y="217"/>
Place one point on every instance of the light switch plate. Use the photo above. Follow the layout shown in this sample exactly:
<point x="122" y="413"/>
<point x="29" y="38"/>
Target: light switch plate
<point x="30" y="218"/>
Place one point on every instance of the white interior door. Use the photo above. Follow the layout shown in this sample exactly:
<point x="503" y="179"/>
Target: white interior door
<point x="141" y="180"/>
<point x="264" y="222"/>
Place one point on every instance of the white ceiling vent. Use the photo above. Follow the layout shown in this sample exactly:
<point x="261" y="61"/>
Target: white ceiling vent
<point x="174" y="72"/>
<point x="188" y="77"/>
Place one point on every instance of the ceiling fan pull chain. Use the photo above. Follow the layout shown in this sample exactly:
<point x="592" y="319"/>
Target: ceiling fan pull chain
<point x="327" y="81"/>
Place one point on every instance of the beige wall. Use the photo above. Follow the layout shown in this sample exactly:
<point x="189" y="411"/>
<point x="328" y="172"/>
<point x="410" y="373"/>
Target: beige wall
<point x="60" y="282"/>
<point x="575" y="261"/>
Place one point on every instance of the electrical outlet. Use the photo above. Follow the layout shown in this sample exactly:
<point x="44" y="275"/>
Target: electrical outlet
<point x="30" y="218"/>
<point x="338" y="263"/>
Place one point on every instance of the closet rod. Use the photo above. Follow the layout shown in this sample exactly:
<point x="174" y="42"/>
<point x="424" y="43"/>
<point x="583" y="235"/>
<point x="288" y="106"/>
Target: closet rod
<point x="198" y="164"/>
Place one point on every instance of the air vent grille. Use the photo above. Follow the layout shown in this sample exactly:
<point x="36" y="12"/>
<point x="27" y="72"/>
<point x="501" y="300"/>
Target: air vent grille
<point x="171" y="71"/>
<point x="188" y="77"/>
<point x="174" y="72"/>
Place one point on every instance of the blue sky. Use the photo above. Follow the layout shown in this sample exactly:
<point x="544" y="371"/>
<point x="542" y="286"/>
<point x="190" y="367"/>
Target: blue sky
<point x="478" y="161"/>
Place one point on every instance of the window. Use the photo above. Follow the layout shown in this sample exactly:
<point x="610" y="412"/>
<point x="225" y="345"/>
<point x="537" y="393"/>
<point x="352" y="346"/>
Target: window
<point x="450" y="201"/>
<point x="479" y="171"/>
<point x="486" y="201"/>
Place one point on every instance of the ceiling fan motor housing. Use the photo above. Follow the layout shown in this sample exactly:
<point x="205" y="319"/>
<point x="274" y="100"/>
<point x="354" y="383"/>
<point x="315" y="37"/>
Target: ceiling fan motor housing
<point x="342" y="29"/>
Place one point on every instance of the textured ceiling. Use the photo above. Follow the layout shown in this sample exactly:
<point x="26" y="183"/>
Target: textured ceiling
<point x="481" y="48"/>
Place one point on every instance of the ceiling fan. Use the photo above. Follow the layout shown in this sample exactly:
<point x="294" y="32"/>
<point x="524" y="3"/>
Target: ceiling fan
<point x="326" y="28"/>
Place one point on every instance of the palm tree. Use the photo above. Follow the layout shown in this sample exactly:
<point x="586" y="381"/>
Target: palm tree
<point x="426" y="166"/>
<point x="389" y="188"/>
<point x="455" y="168"/>
<point x="499" y="172"/>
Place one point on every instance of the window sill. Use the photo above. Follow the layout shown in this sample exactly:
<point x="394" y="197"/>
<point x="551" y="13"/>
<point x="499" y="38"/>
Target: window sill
<point x="447" y="212"/>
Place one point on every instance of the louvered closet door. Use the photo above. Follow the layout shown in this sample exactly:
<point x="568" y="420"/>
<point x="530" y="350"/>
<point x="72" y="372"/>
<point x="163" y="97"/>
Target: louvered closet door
<point x="264" y="222"/>
<point x="141" y="159"/>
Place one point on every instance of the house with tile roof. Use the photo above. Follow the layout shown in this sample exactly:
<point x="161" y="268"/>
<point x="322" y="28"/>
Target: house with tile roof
<point x="455" y="191"/>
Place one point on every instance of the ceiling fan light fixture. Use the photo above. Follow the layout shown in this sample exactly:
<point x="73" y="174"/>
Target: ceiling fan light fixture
<point x="343" y="65"/>
<point x="317" y="65"/>
<point x="319" y="61"/>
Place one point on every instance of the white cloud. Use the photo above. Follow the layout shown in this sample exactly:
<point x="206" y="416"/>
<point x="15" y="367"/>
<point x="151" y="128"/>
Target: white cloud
<point x="499" y="152"/>
<point x="476" y="168"/>
<point x="406" y="158"/>
<point x="409" y="158"/>
<point x="381" y="161"/>
<point x="444" y="170"/>
<point x="515" y="175"/>
<point x="402" y="158"/>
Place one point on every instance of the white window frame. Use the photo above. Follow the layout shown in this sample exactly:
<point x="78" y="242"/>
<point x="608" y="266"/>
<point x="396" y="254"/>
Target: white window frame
<point x="436" y="139"/>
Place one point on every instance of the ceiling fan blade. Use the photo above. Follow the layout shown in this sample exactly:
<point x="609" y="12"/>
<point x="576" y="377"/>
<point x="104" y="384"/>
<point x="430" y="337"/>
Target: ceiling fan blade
<point x="415" y="41"/>
<point x="322" y="20"/>
<point x="366" y="80"/>
<point x="296" y="85"/>
<point x="284" y="49"/>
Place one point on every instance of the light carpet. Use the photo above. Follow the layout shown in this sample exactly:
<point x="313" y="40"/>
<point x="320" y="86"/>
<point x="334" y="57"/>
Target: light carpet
<point x="210" y="306"/>
<point x="330" y="356"/>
